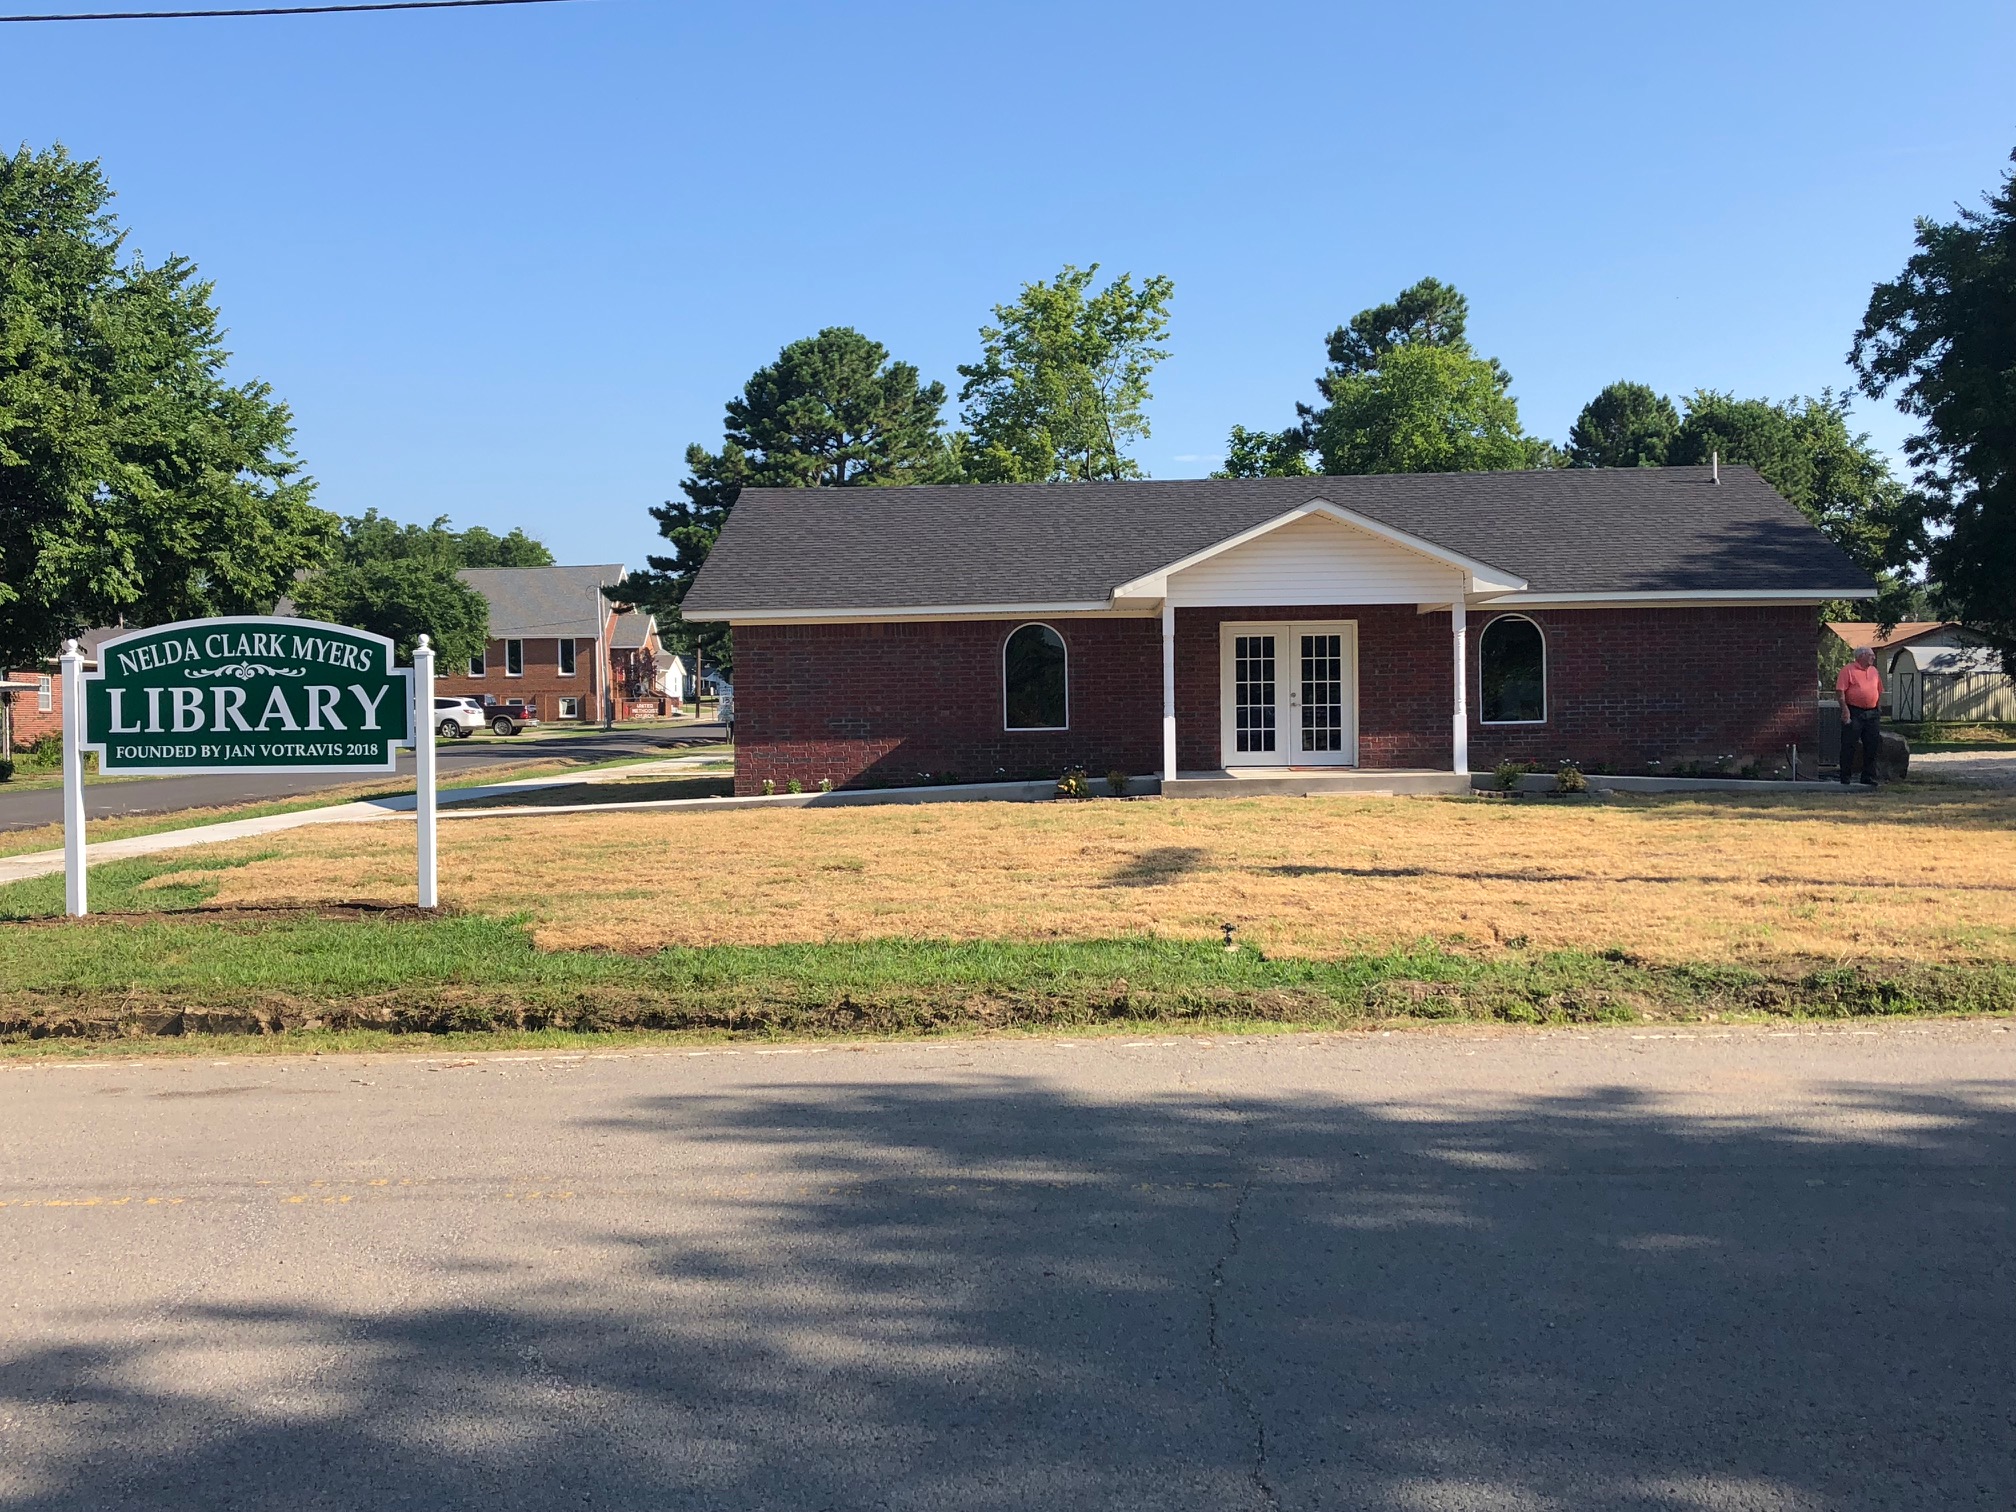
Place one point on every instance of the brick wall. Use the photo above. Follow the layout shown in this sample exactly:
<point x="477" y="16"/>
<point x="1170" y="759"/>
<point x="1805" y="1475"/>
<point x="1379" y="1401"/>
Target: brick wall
<point x="1629" y="687"/>
<point x="882" y="705"/>
<point x="542" y="685"/>
<point x="888" y="705"/>
<point x="30" y="722"/>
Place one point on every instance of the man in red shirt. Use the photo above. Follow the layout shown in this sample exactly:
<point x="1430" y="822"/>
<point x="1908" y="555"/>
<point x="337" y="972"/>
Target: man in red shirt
<point x="1861" y="688"/>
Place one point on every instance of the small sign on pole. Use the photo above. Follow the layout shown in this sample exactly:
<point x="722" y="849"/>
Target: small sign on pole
<point x="244" y="693"/>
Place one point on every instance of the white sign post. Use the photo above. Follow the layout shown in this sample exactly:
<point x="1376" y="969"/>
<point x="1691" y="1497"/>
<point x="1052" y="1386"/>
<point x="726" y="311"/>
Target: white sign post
<point x="245" y="693"/>
<point x="423" y="777"/>
<point x="72" y="662"/>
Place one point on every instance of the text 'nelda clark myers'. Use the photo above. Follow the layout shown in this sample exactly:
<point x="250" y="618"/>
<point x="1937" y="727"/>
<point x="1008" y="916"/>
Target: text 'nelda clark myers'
<point x="153" y="655"/>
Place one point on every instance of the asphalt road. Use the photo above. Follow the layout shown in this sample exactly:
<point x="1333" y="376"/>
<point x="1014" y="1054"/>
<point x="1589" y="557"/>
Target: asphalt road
<point x="1740" y="1270"/>
<point x="26" y="808"/>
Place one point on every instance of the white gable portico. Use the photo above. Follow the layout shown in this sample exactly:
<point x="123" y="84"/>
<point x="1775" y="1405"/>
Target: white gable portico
<point x="1288" y="691"/>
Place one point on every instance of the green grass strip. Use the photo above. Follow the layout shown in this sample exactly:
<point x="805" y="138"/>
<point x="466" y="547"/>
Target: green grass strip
<point x="163" y="974"/>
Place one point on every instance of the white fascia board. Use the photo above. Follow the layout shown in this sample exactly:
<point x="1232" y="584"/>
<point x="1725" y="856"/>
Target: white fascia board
<point x="1484" y="578"/>
<point x="904" y="612"/>
<point x="1676" y="597"/>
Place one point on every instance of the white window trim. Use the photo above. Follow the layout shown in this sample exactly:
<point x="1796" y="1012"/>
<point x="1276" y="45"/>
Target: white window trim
<point x="45" y="693"/>
<point x="1035" y="729"/>
<point x="566" y="649"/>
<point x="507" y="658"/>
<point x="479" y="664"/>
<point x="1499" y="724"/>
<point x="565" y="712"/>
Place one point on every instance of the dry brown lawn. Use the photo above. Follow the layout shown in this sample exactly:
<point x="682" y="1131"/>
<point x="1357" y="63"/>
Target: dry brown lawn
<point x="1907" y="875"/>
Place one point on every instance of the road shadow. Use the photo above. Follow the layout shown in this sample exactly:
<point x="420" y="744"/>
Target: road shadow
<point x="999" y="1294"/>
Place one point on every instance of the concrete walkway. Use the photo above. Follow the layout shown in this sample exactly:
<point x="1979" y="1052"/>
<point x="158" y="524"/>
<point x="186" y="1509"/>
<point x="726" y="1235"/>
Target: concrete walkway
<point x="1990" y="768"/>
<point x="44" y="863"/>
<point x="31" y="807"/>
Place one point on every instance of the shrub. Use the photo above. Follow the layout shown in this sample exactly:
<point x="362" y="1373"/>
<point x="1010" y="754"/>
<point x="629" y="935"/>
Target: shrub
<point x="1116" y="783"/>
<point x="1568" y="778"/>
<point x="6" y="769"/>
<point x="1508" y="772"/>
<point x="769" y="786"/>
<point x="44" y="755"/>
<point x="794" y="786"/>
<point x="825" y="784"/>
<point x="1073" y="784"/>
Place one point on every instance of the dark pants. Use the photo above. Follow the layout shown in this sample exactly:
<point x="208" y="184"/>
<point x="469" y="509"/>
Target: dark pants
<point x="1864" y="728"/>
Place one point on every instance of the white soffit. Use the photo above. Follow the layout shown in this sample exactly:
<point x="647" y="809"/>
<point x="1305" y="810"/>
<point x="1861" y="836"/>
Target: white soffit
<point x="1321" y="554"/>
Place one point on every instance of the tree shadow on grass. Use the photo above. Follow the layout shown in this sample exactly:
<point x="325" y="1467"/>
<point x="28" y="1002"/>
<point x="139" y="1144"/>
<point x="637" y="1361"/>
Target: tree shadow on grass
<point x="1675" y="879"/>
<point x="1159" y="866"/>
<point x="1002" y="1295"/>
<point x="1930" y="805"/>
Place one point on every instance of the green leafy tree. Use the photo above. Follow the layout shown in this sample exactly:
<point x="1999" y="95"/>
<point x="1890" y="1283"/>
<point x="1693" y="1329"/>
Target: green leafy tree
<point x="372" y="537"/>
<point x="1407" y="392"/>
<point x="1943" y="335"/>
<point x="832" y="411"/>
<point x="1062" y="385"/>
<point x="1627" y="425"/>
<point x="401" y="598"/>
<point x="135" y="482"/>
<point x="1834" y="476"/>
<point x="399" y="580"/>
<point x="1426" y="409"/>
<point x="1266" y="454"/>
<point x="1430" y="313"/>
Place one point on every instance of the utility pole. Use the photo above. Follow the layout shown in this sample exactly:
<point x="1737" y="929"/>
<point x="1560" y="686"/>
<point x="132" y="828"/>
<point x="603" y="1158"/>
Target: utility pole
<point x="602" y="659"/>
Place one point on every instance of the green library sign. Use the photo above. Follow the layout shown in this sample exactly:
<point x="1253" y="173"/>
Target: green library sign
<point x="259" y="694"/>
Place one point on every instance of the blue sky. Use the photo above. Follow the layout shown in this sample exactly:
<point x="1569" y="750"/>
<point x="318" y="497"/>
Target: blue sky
<point x="505" y="264"/>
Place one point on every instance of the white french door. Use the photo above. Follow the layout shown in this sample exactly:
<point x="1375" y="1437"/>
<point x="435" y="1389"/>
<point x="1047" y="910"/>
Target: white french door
<point x="1289" y="693"/>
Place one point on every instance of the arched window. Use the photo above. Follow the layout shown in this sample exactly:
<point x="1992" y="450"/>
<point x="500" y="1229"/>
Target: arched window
<point x="1512" y="658"/>
<point x="1033" y="679"/>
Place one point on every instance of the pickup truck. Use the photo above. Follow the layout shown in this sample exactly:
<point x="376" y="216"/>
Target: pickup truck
<point x="510" y="718"/>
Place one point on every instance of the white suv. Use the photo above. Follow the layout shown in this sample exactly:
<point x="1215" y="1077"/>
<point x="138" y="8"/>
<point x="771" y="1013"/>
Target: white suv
<point x="458" y="718"/>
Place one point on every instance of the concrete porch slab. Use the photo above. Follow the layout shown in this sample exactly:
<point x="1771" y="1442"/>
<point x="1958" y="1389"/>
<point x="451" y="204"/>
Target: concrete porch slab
<point x="1305" y="784"/>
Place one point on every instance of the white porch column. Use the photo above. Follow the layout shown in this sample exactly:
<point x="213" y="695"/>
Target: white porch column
<point x="1459" y="633"/>
<point x="1168" y="690"/>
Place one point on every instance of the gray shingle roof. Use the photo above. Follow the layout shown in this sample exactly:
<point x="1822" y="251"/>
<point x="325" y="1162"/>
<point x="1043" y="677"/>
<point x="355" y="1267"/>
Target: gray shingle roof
<point x="537" y="603"/>
<point x="631" y="630"/>
<point x="1583" y="530"/>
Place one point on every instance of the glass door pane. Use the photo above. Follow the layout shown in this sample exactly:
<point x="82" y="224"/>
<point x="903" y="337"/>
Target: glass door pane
<point x="1253" y="692"/>
<point x="1322" y="693"/>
